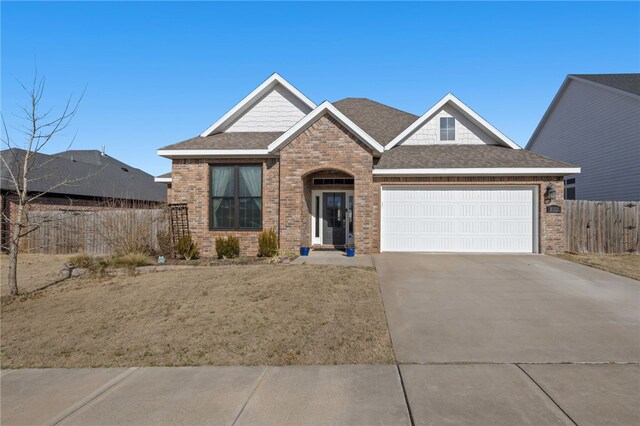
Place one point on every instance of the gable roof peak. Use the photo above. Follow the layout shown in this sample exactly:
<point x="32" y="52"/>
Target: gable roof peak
<point x="450" y="98"/>
<point x="250" y="100"/>
<point x="309" y="119"/>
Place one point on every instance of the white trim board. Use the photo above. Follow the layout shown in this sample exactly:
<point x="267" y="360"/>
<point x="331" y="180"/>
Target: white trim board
<point x="309" y="119"/>
<point x="317" y="241"/>
<point x="458" y="104"/>
<point x="162" y="179"/>
<point x="251" y="98"/>
<point x="187" y="153"/>
<point x="497" y="171"/>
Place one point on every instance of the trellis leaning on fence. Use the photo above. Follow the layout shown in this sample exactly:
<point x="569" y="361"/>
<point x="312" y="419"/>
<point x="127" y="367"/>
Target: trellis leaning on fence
<point x="602" y="226"/>
<point x="97" y="232"/>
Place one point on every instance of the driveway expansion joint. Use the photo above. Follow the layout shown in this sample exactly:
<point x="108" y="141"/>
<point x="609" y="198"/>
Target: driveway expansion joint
<point x="547" y="394"/>
<point x="406" y="397"/>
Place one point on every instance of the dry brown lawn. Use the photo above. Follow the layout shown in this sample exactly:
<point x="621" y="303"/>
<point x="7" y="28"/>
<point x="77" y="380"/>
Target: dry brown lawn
<point x="34" y="271"/>
<point x="225" y="315"/>
<point x="627" y="265"/>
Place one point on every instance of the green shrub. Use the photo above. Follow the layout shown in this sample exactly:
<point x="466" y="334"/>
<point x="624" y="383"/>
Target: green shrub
<point x="187" y="248"/>
<point x="228" y="247"/>
<point x="131" y="260"/>
<point x="82" y="260"/>
<point x="268" y="243"/>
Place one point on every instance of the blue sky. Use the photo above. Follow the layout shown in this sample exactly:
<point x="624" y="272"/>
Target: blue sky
<point x="157" y="73"/>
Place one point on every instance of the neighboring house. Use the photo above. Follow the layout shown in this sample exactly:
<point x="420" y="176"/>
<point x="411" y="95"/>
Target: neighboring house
<point x="359" y="172"/>
<point x="76" y="180"/>
<point x="594" y="122"/>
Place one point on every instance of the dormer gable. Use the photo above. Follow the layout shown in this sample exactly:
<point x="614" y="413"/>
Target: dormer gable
<point x="451" y="122"/>
<point x="274" y="106"/>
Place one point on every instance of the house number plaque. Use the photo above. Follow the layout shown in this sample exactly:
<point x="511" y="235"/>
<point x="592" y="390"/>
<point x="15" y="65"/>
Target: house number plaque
<point x="554" y="209"/>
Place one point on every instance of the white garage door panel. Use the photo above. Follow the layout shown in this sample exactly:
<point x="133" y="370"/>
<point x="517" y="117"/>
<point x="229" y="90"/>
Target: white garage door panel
<point x="458" y="219"/>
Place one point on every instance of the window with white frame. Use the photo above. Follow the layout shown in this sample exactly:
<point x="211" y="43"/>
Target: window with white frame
<point x="447" y="129"/>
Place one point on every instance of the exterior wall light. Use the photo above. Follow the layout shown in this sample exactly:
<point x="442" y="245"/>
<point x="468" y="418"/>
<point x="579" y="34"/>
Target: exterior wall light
<point x="549" y="194"/>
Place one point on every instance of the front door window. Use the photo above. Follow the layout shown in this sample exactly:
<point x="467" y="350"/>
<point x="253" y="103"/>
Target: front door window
<point x="350" y="220"/>
<point x="334" y="221"/>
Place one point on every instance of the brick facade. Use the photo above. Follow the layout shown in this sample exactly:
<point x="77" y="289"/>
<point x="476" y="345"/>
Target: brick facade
<point x="326" y="148"/>
<point x="325" y="145"/>
<point x="190" y="183"/>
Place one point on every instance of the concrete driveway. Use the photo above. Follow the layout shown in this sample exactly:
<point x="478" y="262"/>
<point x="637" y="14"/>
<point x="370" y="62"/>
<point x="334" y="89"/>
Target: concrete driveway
<point x="511" y="308"/>
<point x="504" y="339"/>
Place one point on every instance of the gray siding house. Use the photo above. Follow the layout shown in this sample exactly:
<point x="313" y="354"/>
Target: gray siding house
<point x="594" y="122"/>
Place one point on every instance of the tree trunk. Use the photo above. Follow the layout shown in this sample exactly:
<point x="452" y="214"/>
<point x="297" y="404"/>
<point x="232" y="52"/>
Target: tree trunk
<point x="13" y="251"/>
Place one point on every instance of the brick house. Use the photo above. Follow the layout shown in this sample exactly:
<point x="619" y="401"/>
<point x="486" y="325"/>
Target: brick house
<point x="362" y="173"/>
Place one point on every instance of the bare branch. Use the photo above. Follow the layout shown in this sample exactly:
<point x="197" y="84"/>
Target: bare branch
<point x="39" y="129"/>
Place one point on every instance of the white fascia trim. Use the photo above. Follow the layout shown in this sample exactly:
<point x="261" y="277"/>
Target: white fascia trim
<point x="267" y="85"/>
<point x="310" y="118"/>
<point x="185" y="153"/>
<point x="471" y="114"/>
<point x="497" y="171"/>
<point x="162" y="179"/>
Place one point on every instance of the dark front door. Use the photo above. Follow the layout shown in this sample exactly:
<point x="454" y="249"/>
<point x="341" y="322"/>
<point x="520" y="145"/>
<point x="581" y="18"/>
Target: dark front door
<point x="333" y="218"/>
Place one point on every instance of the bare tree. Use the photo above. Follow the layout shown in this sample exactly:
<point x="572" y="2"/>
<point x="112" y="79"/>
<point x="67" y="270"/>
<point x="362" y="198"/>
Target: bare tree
<point x="23" y="165"/>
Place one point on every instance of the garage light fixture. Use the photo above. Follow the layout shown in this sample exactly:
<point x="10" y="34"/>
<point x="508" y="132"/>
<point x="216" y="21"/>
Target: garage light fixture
<point x="549" y="194"/>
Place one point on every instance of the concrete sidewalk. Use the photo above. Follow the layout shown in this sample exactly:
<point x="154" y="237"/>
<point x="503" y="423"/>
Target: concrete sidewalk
<point x="356" y="394"/>
<point x="469" y="394"/>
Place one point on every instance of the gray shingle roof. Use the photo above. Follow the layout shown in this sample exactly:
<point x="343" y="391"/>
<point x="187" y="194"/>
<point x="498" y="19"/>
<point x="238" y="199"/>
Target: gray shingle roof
<point x="165" y="175"/>
<point x="381" y="122"/>
<point x="90" y="156"/>
<point x="231" y="140"/>
<point x="110" y="179"/>
<point x="626" y="82"/>
<point x="461" y="156"/>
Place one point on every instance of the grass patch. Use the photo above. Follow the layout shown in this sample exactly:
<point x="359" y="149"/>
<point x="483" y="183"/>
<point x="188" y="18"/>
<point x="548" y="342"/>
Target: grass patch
<point x="627" y="265"/>
<point x="34" y="271"/>
<point x="226" y="315"/>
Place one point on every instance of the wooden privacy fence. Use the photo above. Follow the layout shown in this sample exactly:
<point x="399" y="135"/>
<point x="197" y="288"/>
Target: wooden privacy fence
<point x="94" y="231"/>
<point x="602" y="226"/>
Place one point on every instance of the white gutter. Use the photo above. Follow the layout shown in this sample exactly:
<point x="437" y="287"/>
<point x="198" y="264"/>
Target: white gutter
<point x="162" y="179"/>
<point x="187" y="153"/>
<point x="498" y="171"/>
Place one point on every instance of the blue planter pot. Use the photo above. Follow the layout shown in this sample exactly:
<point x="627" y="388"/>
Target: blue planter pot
<point x="351" y="251"/>
<point x="304" y="251"/>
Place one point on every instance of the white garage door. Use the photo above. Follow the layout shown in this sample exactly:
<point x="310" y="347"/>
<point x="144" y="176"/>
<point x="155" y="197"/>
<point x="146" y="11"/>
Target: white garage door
<point x="448" y="219"/>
